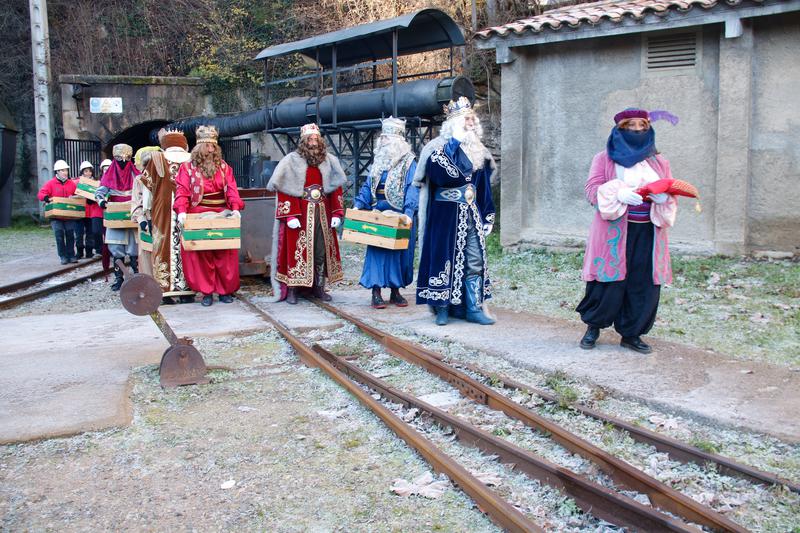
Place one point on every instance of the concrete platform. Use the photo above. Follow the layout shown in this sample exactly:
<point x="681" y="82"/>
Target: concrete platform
<point x="702" y="384"/>
<point x="25" y="268"/>
<point x="64" y="374"/>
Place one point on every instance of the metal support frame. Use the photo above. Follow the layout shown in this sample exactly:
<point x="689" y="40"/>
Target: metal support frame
<point x="40" y="45"/>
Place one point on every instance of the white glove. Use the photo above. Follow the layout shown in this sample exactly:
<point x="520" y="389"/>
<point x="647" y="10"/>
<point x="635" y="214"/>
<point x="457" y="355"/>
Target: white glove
<point x="406" y="219"/>
<point x="354" y="208"/>
<point x="487" y="229"/>
<point x="236" y="214"/>
<point x="659" y="198"/>
<point x="181" y="218"/>
<point x="627" y="195"/>
<point x="335" y="221"/>
<point x="293" y="223"/>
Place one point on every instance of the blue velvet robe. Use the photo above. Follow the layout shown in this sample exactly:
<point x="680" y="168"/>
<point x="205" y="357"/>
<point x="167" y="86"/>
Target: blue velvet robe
<point x="382" y="267"/>
<point x="440" y="280"/>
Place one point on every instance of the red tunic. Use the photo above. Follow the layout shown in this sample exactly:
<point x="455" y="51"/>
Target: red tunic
<point x="296" y="246"/>
<point x="208" y="271"/>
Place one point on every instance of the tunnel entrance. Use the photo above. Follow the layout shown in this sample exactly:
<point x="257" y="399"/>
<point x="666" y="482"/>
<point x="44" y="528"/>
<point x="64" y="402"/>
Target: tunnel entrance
<point x="137" y="136"/>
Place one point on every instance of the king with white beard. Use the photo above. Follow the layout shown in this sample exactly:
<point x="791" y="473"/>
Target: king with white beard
<point x="388" y="188"/>
<point x="456" y="213"/>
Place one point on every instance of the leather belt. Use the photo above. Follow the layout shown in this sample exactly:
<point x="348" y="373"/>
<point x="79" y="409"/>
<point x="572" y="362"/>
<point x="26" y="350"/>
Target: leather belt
<point x="313" y="194"/>
<point x="461" y="195"/>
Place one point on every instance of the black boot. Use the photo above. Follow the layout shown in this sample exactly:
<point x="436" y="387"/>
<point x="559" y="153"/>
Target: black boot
<point x="167" y="300"/>
<point x="636" y="344"/>
<point x="474" y="298"/>
<point x="118" y="279"/>
<point x="208" y="299"/>
<point x="590" y="338"/>
<point x="397" y="299"/>
<point x="318" y="290"/>
<point x="79" y="255"/>
<point x="135" y="264"/>
<point x="291" y="295"/>
<point x="187" y="299"/>
<point x="441" y="315"/>
<point x="377" y="299"/>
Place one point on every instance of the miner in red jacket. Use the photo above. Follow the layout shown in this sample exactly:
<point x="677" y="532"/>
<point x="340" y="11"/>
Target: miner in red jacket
<point x="63" y="228"/>
<point x="206" y="183"/>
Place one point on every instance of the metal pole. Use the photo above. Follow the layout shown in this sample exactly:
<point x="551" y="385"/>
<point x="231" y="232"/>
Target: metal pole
<point x="335" y="82"/>
<point x="319" y="85"/>
<point x="40" y="44"/>
<point x="394" y="73"/>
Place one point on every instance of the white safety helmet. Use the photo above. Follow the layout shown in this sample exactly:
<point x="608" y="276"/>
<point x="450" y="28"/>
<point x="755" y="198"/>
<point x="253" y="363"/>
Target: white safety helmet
<point x="61" y="165"/>
<point x="86" y="164"/>
<point x="105" y="163"/>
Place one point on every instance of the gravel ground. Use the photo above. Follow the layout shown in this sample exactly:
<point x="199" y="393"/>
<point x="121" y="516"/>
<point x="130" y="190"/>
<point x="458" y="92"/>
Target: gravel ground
<point x="16" y="243"/>
<point x="270" y="446"/>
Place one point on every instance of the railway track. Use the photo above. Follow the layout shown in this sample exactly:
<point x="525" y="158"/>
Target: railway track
<point x="669" y="509"/>
<point x="15" y="294"/>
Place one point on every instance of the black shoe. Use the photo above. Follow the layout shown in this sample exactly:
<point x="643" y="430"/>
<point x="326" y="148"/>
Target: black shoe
<point x="79" y="255"/>
<point x="167" y="300"/>
<point x="118" y="279"/>
<point x="64" y="261"/>
<point x="89" y="254"/>
<point x="636" y="344"/>
<point x="207" y="300"/>
<point x="186" y="299"/>
<point x="377" y="300"/>
<point x="226" y="298"/>
<point x="73" y="260"/>
<point x="590" y="338"/>
<point x="397" y="299"/>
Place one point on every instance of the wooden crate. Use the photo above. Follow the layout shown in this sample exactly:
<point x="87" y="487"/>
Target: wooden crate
<point x="87" y="187"/>
<point x="118" y="215"/>
<point x="376" y="229"/>
<point x="144" y="240"/>
<point x="60" y="207"/>
<point x="200" y="233"/>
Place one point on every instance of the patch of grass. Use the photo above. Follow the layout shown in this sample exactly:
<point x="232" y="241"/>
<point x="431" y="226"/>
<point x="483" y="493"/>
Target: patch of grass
<point x="501" y="432"/>
<point x="566" y="394"/>
<point x="349" y="444"/>
<point x="704" y="445"/>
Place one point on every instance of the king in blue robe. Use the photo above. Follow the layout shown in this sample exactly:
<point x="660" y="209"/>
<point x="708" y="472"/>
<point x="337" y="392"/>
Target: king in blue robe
<point x="389" y="188"/>
<point x="456" y="214"/>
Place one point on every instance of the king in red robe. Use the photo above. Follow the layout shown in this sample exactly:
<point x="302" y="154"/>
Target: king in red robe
<point x="206" y="183"/>
<point x="309" y="209"/>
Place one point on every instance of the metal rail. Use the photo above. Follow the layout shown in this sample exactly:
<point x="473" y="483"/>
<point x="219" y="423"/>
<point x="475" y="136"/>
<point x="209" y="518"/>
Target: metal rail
<point x="11" y="287"/>
<point x="591" y="497"/>
<point x="676" y="449"/>
<point x="660" y="495"/>
<point x="13" y="302"/>
<point x="499" y="511"/>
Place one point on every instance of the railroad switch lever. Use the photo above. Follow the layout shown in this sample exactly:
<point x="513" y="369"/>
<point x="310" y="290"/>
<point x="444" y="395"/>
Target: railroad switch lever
<point x="181" y="363"/>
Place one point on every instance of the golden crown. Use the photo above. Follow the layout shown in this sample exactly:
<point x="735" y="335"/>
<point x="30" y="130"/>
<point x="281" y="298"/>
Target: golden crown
<point x="459" y="107"/>
<point x="206" y="134"/>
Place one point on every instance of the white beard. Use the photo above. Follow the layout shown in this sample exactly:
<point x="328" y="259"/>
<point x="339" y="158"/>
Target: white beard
<point x="387" y="156"/>
<point x="474" y="150"/>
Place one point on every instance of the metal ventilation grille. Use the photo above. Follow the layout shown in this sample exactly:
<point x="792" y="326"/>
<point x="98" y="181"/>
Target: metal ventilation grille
<point x="677" y="50"/>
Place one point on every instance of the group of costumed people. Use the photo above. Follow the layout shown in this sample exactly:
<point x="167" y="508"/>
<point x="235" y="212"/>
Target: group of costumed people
<point x="445" y="197"/>
<point x="163" y="184"/>
<point x="448" y="192"/>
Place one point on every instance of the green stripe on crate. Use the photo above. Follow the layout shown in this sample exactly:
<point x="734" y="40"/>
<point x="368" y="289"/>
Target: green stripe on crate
<point x="211" y="234"/>
<point x="145" y="237"/>
<point x="375" y="229"/>
<point x="116" y="216"/>
<point x="88" y="188"/>
<point x="66" y="207"/>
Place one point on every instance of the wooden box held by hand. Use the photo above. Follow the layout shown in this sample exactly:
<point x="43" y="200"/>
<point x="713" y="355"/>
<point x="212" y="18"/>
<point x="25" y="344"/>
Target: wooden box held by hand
<point x="201" y="233"/>
<point x="87" y="187"/>
<point x="145" y="241"/>
<point x="118" y="215"/>
<point x="376" y="229"/>
<point x="60" y="207"/>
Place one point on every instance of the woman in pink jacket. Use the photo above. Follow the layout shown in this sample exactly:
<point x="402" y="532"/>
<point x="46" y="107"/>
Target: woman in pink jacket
<point x="627" y="254"/>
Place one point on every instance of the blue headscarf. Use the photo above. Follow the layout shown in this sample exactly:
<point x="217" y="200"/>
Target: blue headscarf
<point x="628" y="147"/>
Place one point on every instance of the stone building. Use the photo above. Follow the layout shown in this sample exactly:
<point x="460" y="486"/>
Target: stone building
<point x="728" y="69"/>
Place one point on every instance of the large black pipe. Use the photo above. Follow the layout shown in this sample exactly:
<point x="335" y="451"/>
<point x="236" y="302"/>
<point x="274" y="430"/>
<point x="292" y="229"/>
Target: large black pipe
<point x="419" y="98"/>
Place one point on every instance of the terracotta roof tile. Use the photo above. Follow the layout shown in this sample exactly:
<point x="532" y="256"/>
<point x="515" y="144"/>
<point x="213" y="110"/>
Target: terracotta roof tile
<point x="593" y="13"/>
